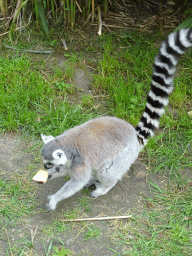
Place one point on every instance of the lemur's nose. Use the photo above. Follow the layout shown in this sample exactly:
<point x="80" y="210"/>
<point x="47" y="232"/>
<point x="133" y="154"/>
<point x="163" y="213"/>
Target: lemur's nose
<point x="49" y="177"/>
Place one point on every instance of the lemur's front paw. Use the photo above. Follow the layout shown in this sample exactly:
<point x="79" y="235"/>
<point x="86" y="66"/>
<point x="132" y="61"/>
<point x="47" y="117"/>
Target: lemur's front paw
<point x="94" y="194"/>
<point x="51" y="206"/>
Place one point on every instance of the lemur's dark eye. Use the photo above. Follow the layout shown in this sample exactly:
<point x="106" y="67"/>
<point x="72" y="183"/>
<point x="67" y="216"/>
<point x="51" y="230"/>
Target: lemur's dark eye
<point x="48" y="165"/>
<point x="57" y="169"/>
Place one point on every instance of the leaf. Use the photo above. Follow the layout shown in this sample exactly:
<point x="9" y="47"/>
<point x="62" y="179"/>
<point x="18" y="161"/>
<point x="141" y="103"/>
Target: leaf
<point x="188" y="11"/>
<point x="40" y="13"/>
<point x="186" y="23"/>
<point x="155" y="186"/>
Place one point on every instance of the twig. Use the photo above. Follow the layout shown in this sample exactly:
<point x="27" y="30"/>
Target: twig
<point x="5" y="18"/>
<point x="15" y="29"/>
<point x="8" y="242"/>
<point x="113" y="26"/>
<point x="106" y="27"/>
<point x="86" y="21"/>
<point x="33" y="232"/>
<point x="78" y="6"/>
<point x="99" y="218"/>
<point x="90" y="67"/>
<point x="33" y="51"/>
<point x="44" y="73"/>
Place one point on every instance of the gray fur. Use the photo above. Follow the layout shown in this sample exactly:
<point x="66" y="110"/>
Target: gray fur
<point x="101" y="150"/>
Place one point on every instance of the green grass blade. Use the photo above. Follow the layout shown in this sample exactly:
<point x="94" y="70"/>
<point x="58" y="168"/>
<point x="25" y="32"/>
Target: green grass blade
<point x="155" y="186"/>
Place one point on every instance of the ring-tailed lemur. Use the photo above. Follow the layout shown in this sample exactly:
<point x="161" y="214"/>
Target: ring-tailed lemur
<point x="101" y="150"/>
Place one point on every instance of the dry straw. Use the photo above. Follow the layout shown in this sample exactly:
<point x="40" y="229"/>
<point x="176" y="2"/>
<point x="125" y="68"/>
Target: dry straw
<point x="66" y="11"/>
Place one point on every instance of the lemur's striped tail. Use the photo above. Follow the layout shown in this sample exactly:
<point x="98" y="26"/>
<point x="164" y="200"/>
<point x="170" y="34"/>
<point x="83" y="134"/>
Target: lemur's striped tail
<point x="162" y="81"/>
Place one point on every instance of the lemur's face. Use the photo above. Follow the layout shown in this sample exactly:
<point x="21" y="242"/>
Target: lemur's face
<point x="58" y="158"/>
<point x="54" y="161"/>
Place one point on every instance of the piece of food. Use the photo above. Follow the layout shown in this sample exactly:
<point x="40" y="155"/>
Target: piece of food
<point x="41" y="176"/>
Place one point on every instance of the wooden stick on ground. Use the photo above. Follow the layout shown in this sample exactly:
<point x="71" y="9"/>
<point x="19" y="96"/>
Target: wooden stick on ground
<point x="100" y="218"/>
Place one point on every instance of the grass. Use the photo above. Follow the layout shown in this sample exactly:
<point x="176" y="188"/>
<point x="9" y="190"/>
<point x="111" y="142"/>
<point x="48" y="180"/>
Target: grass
<point x="34" y="103"/>
<point x="164" y="228"/>
<point x="29" y="101"/>
<point x="62" y="252"/>
<point x="93" y="232"/>
<point x="17" y="198"/>
<point x="125" y="75"/>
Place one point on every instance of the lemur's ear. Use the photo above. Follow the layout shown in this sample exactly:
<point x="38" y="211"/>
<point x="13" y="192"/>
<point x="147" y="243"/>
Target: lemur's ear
<point x="47" y="139"/>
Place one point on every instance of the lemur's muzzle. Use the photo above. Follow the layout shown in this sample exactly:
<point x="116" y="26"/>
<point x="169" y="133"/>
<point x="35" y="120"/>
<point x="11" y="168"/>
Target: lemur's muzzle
<point x="48" y="166"/>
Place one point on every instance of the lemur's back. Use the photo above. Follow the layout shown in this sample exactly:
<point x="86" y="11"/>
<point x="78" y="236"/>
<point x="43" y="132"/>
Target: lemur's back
<point x="101" y="138"/>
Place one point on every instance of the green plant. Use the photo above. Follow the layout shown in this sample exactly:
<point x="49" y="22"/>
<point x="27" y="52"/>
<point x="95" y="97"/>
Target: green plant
<point x="69" y="88"/>
<point x="84" y="202"/>
<point x="61" y="251"/>
<point x="41" y="17"/>
<point x="93" y="232"/>
<point x="87" y="100"/>
<point x="73" y="58"/>
<point x="29" y="102"/>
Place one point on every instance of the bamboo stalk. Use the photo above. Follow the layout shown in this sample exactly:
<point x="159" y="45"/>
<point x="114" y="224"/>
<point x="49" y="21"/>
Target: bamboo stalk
<point x="16" y="10"/>
<point x="68" y="12"/>
<point x="88" y="7"/>
<point x="93" y="11"/>
<point x="99" y="21"/>
<point x="3" y="7"/>
<point x="64" y="44"/>
<point x="71" y="10"/>
<point x="100" y="218"/>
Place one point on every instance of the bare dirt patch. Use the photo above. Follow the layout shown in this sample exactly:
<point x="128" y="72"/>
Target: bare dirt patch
<point x="35" y="234"/>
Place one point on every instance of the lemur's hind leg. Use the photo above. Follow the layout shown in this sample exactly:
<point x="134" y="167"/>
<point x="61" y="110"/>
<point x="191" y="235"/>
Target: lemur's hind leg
<point x="111" y="172"/>
<point x="107" y="180"/>
<point x="102" y="189"/>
